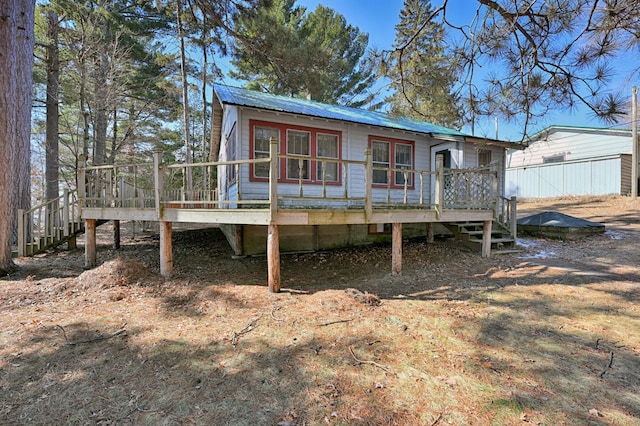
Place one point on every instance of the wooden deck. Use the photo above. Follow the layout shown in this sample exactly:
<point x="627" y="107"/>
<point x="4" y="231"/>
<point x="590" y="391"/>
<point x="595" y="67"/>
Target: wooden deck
<point x="169" y="193"/>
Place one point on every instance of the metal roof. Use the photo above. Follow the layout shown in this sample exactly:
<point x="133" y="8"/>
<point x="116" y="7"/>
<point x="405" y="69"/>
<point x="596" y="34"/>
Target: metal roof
<point x="250" y="98"/>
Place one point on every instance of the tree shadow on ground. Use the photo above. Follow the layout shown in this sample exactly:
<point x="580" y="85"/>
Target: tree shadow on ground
<point x="71" y="379"/>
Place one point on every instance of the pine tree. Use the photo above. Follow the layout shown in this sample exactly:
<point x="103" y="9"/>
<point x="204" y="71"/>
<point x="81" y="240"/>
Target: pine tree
<point x="422" y="77"/>
<point x="283" y="50"/>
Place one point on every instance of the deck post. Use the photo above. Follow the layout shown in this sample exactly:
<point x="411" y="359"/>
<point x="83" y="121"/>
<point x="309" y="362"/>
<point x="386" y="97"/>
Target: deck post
<point x="430" y="237"/>
<point x="273" y="258"/>
<point x="396" y="249"/>
<point x="22" y="234"/>
<point x="90" y="243"/>
<point x="116" y="234"/>
<point x="439" y="190"/>
<point x="486" y="238"/>
<point x="368" y="181"/>
<point x="513" y="220"/>
<point x="166" y="253"/>
<point x="66" y="223"/>
<point x="158" y="182"/>
<point x="273" y="179"/>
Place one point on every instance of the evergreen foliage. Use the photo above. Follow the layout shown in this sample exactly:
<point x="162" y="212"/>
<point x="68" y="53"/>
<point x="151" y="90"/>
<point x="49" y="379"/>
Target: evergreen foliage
<point x="284" y="50"/>
<point x="422" y="75"/>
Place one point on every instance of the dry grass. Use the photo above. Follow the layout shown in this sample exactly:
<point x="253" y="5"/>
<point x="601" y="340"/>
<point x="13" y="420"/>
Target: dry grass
<point x="456" y="340"/>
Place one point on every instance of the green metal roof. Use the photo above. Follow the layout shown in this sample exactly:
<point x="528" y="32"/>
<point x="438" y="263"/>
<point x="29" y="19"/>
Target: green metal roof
<point x="250" y="98"/>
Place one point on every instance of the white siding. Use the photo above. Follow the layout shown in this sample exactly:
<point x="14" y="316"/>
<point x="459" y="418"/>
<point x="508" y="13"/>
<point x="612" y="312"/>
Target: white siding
<point x="588" y="177"/>
<point x="575" y="145"/>
<point x="592" y="164"/>
<point x="230" y="118"/>
<point x="354" y="142"/>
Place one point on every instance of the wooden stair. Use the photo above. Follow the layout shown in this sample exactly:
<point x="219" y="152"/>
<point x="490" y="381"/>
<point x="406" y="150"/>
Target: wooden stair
<point x="470" y="235"/>
<point x="49" y="225"/>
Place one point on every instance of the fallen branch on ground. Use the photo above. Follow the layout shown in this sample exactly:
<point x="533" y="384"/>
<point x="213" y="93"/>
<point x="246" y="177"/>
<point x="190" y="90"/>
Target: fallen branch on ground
<point x="95" y="339"/>
<point x="609" y="364"/>
<point x="276" y="308"/>
<point x="435" y="422"/>
<point x="375" y="364"/>
<point x="336" y="322"/>
<point x="236" y="335"/>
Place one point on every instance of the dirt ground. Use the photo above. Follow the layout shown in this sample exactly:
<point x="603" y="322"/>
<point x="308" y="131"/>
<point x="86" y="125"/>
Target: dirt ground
<point x="549" y="336"/>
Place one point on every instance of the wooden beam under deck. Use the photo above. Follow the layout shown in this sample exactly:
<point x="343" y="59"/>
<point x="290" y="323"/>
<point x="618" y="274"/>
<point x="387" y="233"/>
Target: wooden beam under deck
<point x="287" y="217"/>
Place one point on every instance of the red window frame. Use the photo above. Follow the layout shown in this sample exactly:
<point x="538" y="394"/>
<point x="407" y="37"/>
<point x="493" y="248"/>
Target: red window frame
<point x="282" y="148"/>
<point x="392" y="159"/>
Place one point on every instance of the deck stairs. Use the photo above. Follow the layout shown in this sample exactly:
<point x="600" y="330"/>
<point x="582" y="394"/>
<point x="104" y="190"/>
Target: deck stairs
<point x="49" y="225"/>
<point x="470" y="235"/>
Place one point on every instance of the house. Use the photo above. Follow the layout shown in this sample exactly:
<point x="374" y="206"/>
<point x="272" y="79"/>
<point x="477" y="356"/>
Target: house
<point x="566" y="160"/>
<point x="326" y="147"/>
<point x="295" y="174"/>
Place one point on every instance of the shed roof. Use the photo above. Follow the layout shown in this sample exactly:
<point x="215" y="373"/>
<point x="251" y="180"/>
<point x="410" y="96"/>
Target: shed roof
<point x="251" y="98"/>
<point x="544" y="133"/>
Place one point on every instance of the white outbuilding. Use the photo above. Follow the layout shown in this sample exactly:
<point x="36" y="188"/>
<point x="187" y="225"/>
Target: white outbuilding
<point x="564" y="160"/>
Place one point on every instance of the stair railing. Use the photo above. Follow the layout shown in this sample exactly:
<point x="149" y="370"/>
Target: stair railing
<point x="48" y="224"/>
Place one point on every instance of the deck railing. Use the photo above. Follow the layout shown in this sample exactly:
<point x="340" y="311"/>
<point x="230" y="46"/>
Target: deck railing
<point x="48" y="224"/>
<point x="349" y="185"/>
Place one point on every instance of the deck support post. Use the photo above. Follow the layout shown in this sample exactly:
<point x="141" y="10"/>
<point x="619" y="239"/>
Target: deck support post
<point x="430" y="237"/>
<point x="396" y="249"/>
<point x="368" y="180"/>
<point x="166" y="252"/>
<point x="116" y="234"/>
<point x="486" y="238"/>
<point x="273" y="258"/>
<point x="513" y="220"/>
<point x="439" y="187"/>
<point x="90" y="243"/>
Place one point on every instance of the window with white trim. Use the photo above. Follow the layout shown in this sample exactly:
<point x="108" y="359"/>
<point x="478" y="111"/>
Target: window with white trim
<point x="484" y="157"/>
<point x="299" y="144"/>
<point x="404" y="160"/>
<point x="327" y="148"/>
<point x="381" y="159"/>
<point x="231" y="156"/>
<point x="261" y="140"/>
<point x="388" y="154"/>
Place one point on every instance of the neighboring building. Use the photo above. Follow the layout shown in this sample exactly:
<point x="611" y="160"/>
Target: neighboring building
<point x="325" y="139"/>
<point x="565" y="160"/>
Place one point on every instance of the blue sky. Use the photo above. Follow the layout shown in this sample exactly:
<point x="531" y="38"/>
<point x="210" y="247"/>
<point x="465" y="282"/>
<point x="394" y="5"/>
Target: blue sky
<point x="379" y="17"/>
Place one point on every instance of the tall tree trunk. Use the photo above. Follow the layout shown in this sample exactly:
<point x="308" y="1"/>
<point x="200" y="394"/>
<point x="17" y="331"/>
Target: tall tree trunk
<point x="185" y="99"/>
<point x="53" y="68"/>
<point x="100" y="119"/>
<point x="101" y="100"/>
<point x="205" y="64"/>
<point x="16" y="80"/>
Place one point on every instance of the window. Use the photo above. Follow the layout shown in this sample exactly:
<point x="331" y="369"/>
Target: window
<point x="299" y="144"/>
<point x="261" y="140"/>
<point x="231" y="156"/>
<point x="317" y="153"/>
<point x="404" y="160"/>
<point x="381" y="159"/>
<point x="327" y="147"/>
<point x="484" y="157"/>
<point x="553" y="159"/>
<point x="392" y="154"/>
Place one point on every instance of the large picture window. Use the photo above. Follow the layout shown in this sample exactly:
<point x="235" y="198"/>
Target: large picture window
<point x="390" y="154"/>
<point x="316" y="153"/>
